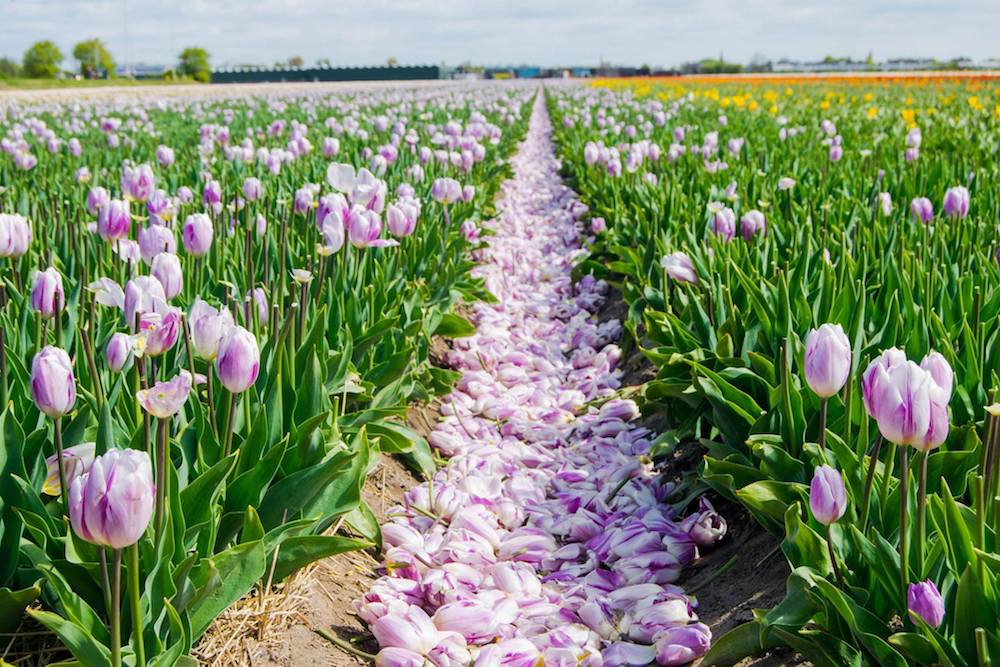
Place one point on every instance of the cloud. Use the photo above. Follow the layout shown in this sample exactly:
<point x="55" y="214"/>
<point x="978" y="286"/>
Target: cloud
<point x="658" y="32"/>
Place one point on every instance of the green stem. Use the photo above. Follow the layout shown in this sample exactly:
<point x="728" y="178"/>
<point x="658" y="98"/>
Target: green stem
<point x="115" y="611"/>
<point x="161" y="474"/>
<point x="904" y="483"/>
<point x="230" y="420"/>
<point x="869" y="478"/>
<point x="63" y="488"/>
<point x="135" y="594"/>
<point x="921" y="512"/>
<point x="833" y="556"/>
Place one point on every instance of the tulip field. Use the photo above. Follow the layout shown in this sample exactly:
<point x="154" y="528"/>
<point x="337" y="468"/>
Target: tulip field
<point x="218" y="311"/>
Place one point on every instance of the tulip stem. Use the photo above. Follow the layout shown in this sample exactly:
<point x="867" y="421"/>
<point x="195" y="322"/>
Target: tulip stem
<point x="904" y="555"/>
<point x="230" y="419"/>
<point x="869" y="478"/>
<point x="63" y="489"/>
<point x="921" y="513"/>
<point x="135" y="593"/>
<point x="161" y="474"/>
<point x="345" y="646"/>
<point x="822" y="427"/>
<point x="833" y="555"/>
<point x="115" y="612"/>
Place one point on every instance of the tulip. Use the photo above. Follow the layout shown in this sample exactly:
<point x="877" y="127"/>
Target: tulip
<point x="827" y="495"/>
<point x="900" y="400"/>
<point x="363" y="228"/>
<point x="827" y="360"/>
<point x="334" y="235"/>
<point x="885" y="203"/>
<point x="160" y="330"/>
<point x="208" y="326"/>
<point x="97" y="198"/>
<point x="828" y="502"/>
<point x="446" y="191"/>
<point x="114" y="220"/>
<point x="166" y="268"/>
<point x="156" y="239"/>
<point x="705" y="527"/>
<point x="678" y="266"/>
<point x="15" y="235"/>
<point x="827" y="365"/>
<point x="53" y="386"/>
<point x="76" y="461"/>
<point x="752" y="223"/>
<point x="786" y="183"/>
<point x="110" y="505"/>
<point x="303" y="201"/>
<point x="164" y="155"/>
<point x="956" y="202"/>
<point x="341" y="177"/>
<point x="138" y="183"/>
<point x="683" y="644"/>
<point x="939" y="368"/>
<point x="118" y="351"/>
<point x="723" y="221"/>
<point x="252" y="189"/>
<point x="47" y="297"/>
<point x="399" y="657"/>
<point x="197" y="234"/>
<point x="922" y="209"/>
<point x="142" y="295"/>
<point x="165" y="399"/>
<point x="211" y="195"/>
<point x="238" y="360"/>
<point x="923" y="601"/>
<point x="598" y="225"/>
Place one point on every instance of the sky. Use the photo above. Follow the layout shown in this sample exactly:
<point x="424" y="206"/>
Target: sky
<point x="503" y="32"/>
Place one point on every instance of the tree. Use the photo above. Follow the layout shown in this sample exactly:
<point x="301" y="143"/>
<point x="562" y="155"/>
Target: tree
<point x="41" y="60"/>
<point x="296" y="61"/>
<point x="392" y="62"/>
<point x="9" y="69"/>
<point x="94" y="58"/>
<point x="194" y="63"/>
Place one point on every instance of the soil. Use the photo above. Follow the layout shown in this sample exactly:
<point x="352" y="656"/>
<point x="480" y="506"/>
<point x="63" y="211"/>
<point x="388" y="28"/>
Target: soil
<point x="335" y="583"/>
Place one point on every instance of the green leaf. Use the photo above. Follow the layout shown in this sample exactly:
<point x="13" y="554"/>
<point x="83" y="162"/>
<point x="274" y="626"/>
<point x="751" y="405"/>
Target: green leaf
<point x="297" y="552"/>
<point x="454" y="326"/>
<point x="82" y="645"/>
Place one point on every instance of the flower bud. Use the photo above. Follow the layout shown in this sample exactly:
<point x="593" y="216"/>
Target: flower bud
<point x="53" y="387"/>
<point x="112" y="503"/>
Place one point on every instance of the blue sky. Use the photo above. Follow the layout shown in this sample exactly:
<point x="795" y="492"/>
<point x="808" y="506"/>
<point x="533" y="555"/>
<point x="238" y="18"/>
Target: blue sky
<point x="549" y="32"/>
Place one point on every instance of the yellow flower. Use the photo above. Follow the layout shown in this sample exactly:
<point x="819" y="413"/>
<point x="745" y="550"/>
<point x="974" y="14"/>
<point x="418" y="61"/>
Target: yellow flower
<point x="872" y="112"/>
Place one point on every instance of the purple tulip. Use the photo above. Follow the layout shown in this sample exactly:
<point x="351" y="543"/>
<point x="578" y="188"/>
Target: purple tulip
<point x="138" y="183"/>
<point x="118" y="351"/>
<point x="956" y="202"/>
<point x="468" y="193"/>
<point x="53" y="387"/>
<point x="259" y="297"/>
<point x="836" y="152"/>
<point x="142" y="295"/>
<point x="112" y="503"/>
<point x="414" y="631"/>
<point x="446" y="190"/>
<point x="185" y="195"/>
<point x="160" y="330"/>
<point x="238" y="360"/>
<point x="47" y="297"/>
<point x="885" y="203"/>
<point x="786" y="183"/>
<point x="212" y="193"/>
<point x="680" y="645"/>
<point x="723" y="221"/>
<point x="252" y="189"/>
<point x="706" y="526"/>
<point x="922" y="209"/>
<point x="399" y="657"/>
<point x="900" y="401"/>
<point x="679" y="267"/>
<point x="164" y="155"/>
<point x="166" y="268"/>
<point x="97" y="199"/>
<point x="303" y="201"/>
<point x="363" y="228"/>
<point x="598" y="225"/>
<point x="939" y="368"/>
<point x="155" y="239"/>
<point x="401" y="219"/>
<point x="208" y="326"/>
<point x="76" y="461"/>
<point x="752" y="223"/>
<point x="197" y="234"/>
<point x="827" y="495"/>
<point x="334" y="235"/>
<point x="165" y="399"/>
<point x="15" y="235"/>
<point x="469" y="231"/>
<point x="891" y="357"/>
<point x="923" y="601"/>
<point x="114" y="220"/>
<point x="827" y="360"/>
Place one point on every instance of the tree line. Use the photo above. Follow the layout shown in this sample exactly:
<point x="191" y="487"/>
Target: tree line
<point x="43" y="60"/>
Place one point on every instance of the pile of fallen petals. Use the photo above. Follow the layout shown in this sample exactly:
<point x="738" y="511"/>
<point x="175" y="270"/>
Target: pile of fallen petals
<point x="546" y="539"/>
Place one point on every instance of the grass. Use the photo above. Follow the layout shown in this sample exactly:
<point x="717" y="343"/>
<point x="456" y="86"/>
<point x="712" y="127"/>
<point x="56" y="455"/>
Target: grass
<point x="40" y="84"/>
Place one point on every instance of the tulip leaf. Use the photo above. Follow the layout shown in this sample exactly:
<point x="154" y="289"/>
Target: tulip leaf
<point x="84" y="647"/>
<point x="238" y="569"/>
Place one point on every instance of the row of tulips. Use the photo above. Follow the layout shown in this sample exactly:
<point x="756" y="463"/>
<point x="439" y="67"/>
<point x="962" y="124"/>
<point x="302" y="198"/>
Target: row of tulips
<point x="787" y="350"/>
<point x="188" y="419"/>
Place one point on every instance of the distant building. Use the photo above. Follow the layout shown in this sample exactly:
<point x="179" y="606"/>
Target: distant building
<point x="252" y="74"/>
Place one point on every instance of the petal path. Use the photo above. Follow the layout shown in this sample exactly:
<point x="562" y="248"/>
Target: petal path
<point x="546" y="539"/>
